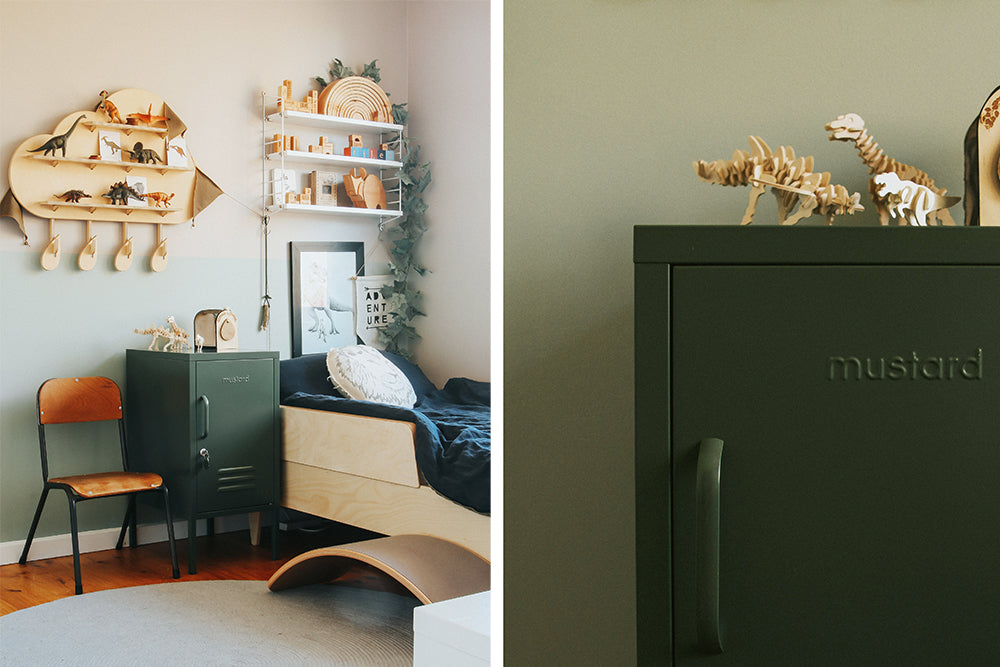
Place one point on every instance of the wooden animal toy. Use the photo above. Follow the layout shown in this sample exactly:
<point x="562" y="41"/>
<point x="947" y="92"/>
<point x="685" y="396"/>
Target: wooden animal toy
<point x="364" y="189"/>
<point x="909" y="201"/>
<point x="108" y="107"/>
<point x="57" y="142"/>
<point x="792" y="180"/>
<point x="851" y="128"/>
<point x="982" y="165"/>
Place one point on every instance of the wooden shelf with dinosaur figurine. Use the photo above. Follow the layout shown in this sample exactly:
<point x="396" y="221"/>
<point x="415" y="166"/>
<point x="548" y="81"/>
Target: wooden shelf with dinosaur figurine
<point x="98" y="162"/>
<point x="126" y="209"/>
<point x="122" y="127"/>
<point x="83" y="172"/>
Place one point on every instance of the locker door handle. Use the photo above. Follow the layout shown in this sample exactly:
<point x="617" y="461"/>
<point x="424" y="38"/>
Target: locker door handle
<point x="203" y="400"/>
<point x="707" y="491"/>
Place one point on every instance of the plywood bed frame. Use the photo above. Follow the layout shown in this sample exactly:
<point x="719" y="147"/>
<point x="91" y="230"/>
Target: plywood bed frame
<point x="362" y="471"/>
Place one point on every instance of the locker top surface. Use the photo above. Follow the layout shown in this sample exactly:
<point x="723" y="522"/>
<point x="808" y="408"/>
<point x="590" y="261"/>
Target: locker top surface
<point x="202" y="356"/>
<point x="747" y="245"/>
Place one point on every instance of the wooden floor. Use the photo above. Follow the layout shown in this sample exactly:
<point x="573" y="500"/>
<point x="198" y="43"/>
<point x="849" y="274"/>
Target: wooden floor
<point x="221" y="556"/>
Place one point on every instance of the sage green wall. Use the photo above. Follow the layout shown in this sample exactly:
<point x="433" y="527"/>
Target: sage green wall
<point x="208" y="60"/>
<point x="606" y="105"/>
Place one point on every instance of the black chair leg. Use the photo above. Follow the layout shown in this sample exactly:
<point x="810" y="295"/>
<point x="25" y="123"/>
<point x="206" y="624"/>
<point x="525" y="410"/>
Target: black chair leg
<point x="129" y="520"/>
<point x="76" y="544"/>
<point x="170" y="533"/>
<point x="34" y="524"/>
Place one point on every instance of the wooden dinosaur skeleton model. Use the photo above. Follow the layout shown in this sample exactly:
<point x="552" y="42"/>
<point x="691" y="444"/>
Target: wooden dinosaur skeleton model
<point x="176" y="338"/>
<point x="909" y="201"/>
<point x="851" y="128"/>
<point x="792" y="180"/>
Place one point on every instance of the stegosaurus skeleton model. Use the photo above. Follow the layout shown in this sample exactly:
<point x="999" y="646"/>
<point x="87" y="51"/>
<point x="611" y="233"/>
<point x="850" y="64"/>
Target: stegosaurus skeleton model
<point x="791" y="179"/>
<point x="851" y="128"/>
<point x="176" y="338"/>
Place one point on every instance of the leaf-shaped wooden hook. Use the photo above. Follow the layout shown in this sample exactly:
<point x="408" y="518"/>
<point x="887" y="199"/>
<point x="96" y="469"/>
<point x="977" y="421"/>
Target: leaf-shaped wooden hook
<point x="50" y="256"/>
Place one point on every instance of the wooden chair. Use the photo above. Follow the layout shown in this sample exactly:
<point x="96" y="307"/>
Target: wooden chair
<point x="91" y="399"/>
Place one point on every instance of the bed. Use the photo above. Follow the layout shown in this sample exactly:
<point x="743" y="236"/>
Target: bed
<point x="384" y="467"/>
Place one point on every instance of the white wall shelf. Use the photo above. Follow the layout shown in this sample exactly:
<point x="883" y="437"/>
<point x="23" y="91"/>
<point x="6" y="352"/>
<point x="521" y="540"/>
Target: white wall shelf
<point x="374" y="134"/>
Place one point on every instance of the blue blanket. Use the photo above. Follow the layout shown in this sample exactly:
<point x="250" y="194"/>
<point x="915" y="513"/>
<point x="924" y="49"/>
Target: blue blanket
<point x="452" y="435"/>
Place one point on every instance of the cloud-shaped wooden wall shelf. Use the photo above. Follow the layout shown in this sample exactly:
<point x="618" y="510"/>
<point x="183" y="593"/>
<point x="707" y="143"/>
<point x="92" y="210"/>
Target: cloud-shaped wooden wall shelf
<point x="125" y="162"/>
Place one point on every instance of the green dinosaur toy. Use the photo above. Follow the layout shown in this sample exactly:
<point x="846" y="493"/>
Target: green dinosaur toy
<point x="57" y="141"/>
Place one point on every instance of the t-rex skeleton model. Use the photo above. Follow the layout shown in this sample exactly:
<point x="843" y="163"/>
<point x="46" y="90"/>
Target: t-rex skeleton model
<point x="909" y="201"/>
<point x="791" y="179"/>
<point x="176" y="337"/>
<point x="851" y="127"/>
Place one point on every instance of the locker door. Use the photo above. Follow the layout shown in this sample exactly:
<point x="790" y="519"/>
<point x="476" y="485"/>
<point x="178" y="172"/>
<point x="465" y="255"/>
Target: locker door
<point x="844" y="420"/>
<point x="234" y="408"/>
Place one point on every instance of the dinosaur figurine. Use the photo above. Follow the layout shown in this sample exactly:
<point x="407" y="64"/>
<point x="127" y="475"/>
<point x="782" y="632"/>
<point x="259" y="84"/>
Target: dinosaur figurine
<point x="791" y="179"/>
<point x="147" y="118"/>
<point x="143" y="155"/>
<point x="58" y="141"/>
<point x="851" y="128"/>
<point x="909" y="201"/>
<point x="159" y="198"/>
<point x="73" y="196"/>
<point x="108" y="107"/>
<point x="120" y="192"/>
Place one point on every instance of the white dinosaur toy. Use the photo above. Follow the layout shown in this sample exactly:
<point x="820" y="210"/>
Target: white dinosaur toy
<point x="909" y="201"/>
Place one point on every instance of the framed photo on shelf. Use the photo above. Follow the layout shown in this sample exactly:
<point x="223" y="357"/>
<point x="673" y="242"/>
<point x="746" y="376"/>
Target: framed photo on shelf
<point x="324" y="187"/>
<point x="322" y="285"/>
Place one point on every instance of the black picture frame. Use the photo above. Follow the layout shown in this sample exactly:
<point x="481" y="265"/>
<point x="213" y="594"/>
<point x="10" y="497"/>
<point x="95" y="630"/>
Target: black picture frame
<point x="322" y="291"/>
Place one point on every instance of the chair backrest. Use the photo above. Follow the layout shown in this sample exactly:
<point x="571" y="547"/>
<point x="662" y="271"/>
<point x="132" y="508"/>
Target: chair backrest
<point x="71" y="400"/>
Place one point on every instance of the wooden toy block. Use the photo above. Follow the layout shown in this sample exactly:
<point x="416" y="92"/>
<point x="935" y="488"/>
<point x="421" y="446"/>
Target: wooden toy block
<point x="354" y="140"/>
<point x="293" y="143"/>
<point x="385" y="154"/>
<point x="353" y="151"/>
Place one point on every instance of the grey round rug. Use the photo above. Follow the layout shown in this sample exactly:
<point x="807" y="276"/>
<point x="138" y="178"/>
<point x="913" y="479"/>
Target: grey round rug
<point x="214" y="622"/>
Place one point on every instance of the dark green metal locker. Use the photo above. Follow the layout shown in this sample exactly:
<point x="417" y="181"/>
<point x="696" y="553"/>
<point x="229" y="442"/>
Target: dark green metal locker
<point x="209" y="424"/>
<point x="818" y="445"/>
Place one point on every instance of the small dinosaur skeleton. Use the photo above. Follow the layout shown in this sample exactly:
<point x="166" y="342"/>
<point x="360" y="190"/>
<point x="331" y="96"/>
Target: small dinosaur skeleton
<point x="851" y="128"/>
<point x="791" y="179"/>
<point x="909" y="201"/>
<point x="176" y="338"/>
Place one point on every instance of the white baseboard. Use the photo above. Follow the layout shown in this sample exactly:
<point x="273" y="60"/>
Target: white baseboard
<point x="55" y="546"/>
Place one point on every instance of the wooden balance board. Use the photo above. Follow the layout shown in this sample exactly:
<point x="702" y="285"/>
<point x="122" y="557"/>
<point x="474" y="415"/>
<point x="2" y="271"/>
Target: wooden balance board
<point x="430" y="568"/>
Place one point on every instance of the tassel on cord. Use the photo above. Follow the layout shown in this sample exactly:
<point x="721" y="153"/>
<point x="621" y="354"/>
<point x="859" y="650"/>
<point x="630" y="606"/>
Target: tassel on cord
<point x="265" y="308"/>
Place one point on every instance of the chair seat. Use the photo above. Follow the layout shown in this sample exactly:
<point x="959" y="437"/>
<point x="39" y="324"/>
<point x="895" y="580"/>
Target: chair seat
<point x="110" y="483"/>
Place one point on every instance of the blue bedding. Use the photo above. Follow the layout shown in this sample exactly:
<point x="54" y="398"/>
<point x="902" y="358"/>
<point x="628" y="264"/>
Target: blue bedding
<point x="452" y="424"/>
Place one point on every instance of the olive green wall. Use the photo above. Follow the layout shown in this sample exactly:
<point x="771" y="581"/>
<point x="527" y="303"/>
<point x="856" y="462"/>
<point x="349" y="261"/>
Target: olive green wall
<point x="606" y="105"/>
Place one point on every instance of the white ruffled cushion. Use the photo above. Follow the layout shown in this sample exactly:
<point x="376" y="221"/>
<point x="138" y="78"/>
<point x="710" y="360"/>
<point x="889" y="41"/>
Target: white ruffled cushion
<point x="362" y="373"/>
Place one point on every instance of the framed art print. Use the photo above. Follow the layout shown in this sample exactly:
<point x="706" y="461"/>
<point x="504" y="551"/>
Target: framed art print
<point x="322" y="284"/>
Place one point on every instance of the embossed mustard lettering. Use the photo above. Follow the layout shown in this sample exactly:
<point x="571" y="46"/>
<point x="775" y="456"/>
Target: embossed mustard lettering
<point x="236" y="379"/>
<point x="909" y="367"/>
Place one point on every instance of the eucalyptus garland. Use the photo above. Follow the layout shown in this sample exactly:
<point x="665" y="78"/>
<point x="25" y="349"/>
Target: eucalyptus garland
<point x="403" y="234"/>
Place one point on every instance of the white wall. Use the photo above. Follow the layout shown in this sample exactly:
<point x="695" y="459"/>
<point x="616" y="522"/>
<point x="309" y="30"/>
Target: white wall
<point x="208" y="60"/>
<point x="449" y="51"/>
